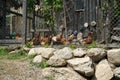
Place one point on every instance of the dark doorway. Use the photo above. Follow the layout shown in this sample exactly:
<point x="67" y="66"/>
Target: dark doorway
<point x="2" y="18"/>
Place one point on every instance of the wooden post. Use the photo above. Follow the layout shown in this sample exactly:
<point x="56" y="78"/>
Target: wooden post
<point x="24" y="21"/>
<point x="4" y="19"/>
<point x="33" y="24"/>
<point x="65" y="23"/>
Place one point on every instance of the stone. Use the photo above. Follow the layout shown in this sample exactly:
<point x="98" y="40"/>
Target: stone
<point x="96" y="54"/>
<point x="38" y="51"/>
<point x="14" y="52"/>
<point x="62" y="74"/>
<point x="48" y="52"/>
<point x="65" y="53"/>
<point x="114" y="56"/>
<point x="37" y="59"/>
<point x="82" y="65"/>
<point x="79" y="52"/>
<point x="32" y="52"/>
<point x="117" y="72"/>
<point x="103" y="71"/>
<point x="112" y="66"/>
<point x="26" y="49"/>
<point x="13" y="47"/>
<point x="56" y="61"/>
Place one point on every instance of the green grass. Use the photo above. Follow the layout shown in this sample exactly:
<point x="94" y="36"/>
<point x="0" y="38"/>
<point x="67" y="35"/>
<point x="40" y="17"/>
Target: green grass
<point x="4" y="54"/>
<point x="72" y="46"/>
<point x="31" y="56"/>
<point x="50" y="78"/>
<point x="3" y="51"/>
<point x="39" y="65"/>
<point x="18" y="55"/>
<point x="43" y="65"/>
<point x="28" y="44"/>
<point x="92" y="45"/>
<point x="46" y="46"/>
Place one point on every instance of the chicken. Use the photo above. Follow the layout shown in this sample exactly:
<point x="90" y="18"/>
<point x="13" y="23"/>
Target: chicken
<point x="70" y="38"/>
<point x="59" y="36"/>
<point x="36" y="40"/>
<point x="80" y="36"/>
<point x="63" y="41"/>
<point x="18" y="37"/>
<point x="88" y="40"/>
<point x="45" y="40"/>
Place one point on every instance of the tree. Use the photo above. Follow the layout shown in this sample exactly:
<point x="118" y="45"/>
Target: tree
<point x="49" y="9"/>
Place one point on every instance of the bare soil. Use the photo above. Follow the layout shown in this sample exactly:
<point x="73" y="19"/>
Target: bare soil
<point x="19" y="70"/>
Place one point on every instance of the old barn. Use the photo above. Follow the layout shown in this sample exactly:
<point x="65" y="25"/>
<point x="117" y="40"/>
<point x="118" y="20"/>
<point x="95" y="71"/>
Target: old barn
<point x="105" y="14"/>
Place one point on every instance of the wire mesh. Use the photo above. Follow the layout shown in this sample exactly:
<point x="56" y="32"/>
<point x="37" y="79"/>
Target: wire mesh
<point x="114" y="22"/>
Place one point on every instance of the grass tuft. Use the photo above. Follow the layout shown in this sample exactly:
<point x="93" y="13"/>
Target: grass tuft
<point x="20" y="54"/>
<point x="50" y="78"/>
<point x="39" y="65"/>
<point x="4" y="54"/>
<point x="72" y="46"/>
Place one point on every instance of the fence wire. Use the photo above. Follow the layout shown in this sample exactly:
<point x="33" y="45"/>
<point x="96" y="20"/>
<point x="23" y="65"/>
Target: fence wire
<point x="114" y="22"/>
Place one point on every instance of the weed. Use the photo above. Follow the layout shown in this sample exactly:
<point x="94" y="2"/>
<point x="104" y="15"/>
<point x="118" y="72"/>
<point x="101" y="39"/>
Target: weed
<point x="50" y="78"/>
<point x="72" y="46"/>
<point x="92" y="45"/>
<point x="31" y="56"/>
<point x="41" y="65"/>
<point x="4" y="54"/>
<point x="3" y="51"/>
<point x="20" y="54"/>
<point x="46" y="45"/>
<point x="28" y="44"/>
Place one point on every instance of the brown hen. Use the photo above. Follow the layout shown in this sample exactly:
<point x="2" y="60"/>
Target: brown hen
<point x="88" y="40"/>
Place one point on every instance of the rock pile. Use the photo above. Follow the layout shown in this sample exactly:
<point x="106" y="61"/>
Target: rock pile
<point x="78" y="64"/>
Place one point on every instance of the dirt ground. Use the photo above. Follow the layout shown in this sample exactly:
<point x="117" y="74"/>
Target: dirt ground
<point x="19" y="70"/>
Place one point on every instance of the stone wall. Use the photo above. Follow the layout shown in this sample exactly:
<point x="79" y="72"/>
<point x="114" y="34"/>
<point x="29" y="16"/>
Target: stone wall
<point x="78" y="64"/>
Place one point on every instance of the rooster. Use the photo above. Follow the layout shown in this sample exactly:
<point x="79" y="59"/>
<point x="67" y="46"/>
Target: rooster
<point x="88" y="40"/>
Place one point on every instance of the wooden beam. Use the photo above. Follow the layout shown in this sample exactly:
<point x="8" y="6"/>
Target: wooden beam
<point x="18" y="14"/>
<point x="24" y="21"/>
<point x="65" y="23"/>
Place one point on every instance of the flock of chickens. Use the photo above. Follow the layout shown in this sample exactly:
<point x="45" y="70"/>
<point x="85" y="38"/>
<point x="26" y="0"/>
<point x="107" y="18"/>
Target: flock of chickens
<point x="37" y="40"/>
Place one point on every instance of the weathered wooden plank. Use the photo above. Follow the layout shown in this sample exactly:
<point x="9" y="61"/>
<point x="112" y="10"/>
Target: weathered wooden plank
<point x="24" y="21"/>
<point x="10" y="41"/>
